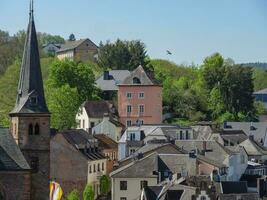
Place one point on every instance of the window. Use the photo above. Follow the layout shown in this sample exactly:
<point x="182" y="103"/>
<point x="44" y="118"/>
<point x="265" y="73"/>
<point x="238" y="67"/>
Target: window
<point x="83" y="123"/>
<point x="123" y="198"/>
<point x="98" y="167"/>
<point x="90" y="169"/>
<point x="92" y="124"/>
<point x="132" y="137"/>
<point x="103" y="166"/>
<point x="143" y="184"/>
<point x="30" y="129"/>
<point x="33" y="100"/>
<point x="202" y="198"/>
<point x="34" y="163"/>
<point x="129" y="123"/>
<point x="136" y="80"/>
<point x="123" y="185"/>
<point x="132" y="151"/>
<point x="141" y="109"/>
<point x="186" y="134"/>
<point x="94" y="168"/>
<point x="129" y="108"/>
<point x="36" y="129"/>
<point x="79" y="124"/>
<point x="181" y="135"/>
<point x="141" y="95"/>
<point x="129" y="95"/>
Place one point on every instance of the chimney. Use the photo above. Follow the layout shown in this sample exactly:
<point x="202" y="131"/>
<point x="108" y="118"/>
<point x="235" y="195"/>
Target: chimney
<point x="106" y="75"/>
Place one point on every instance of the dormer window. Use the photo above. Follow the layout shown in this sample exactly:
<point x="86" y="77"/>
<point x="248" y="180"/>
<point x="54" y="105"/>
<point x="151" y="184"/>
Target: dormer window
<point x="136" y="80"/>
<point x="33" y="100"/>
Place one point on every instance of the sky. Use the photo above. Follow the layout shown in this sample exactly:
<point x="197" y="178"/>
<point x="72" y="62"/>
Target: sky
<point x="190" y="29"/>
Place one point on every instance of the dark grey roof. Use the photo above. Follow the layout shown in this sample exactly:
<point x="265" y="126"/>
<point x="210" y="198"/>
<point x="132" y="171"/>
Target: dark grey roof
<point x="96" y="109"/>
<point x="146" y="78"/>
<point x="30" y="82"/>
<point x="115" y="78"/>
<point x="11" y="158"/>
<point x="234" y="187"/>
<point x="70" y="45"/>
<point x="83" y="142"/>
<point x="234" y="136"/>
<point x="152" y="192"/>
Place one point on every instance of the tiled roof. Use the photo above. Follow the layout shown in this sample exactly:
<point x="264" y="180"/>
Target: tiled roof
<point x="145" y="78"/>
<point x="11" y="157"/>
<point x="96" y="109"/>
<point x="115" y="78"/>
<point x="106" y="142"/>
<point x="84" y="143"/>
<point x="234" y="187"/>
<point x="70" y="45"/>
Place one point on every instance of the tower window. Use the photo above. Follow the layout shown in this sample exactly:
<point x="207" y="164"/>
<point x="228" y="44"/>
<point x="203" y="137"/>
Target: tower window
<point x="37" y="129"/>
<point x="34" y="164"/>
<point x="30" y="129"/>
<point x="33" y="100"/>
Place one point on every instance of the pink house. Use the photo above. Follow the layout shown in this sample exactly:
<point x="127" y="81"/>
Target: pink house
<point x="140" y="99"/>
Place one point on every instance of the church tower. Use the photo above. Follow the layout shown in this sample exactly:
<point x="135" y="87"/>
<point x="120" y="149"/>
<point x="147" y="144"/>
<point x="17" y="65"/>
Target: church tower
<point x="30" y="118"/>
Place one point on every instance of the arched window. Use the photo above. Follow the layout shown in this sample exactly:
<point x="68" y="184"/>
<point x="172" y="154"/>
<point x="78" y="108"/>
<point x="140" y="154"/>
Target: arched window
<point x="136" y="80"/>
<point x="103" y="167"/>
<point x="36" y="129"/>
<point x="30" y="129"/>
<point x="90" y="169"/>
<point x="98" y="167"/>
<point x="94" y="167"/>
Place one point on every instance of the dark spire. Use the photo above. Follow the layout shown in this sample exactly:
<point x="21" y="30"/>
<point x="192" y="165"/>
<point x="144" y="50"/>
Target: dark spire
<point x="30" y="94"/>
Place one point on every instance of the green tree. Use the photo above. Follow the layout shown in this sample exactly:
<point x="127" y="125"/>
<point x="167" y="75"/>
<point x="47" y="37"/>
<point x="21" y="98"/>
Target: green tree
<point x="76" y="75"/>
<point x="215" y="103"/>
<point x="259" y="79"/>
<point x="63" y="103"/>
<point x="73" y="195"/>
<point x="45" y="38"/>
<point x="88" y="193"/>
<point x="122" y="55"/>
<point x="104" y="185"/>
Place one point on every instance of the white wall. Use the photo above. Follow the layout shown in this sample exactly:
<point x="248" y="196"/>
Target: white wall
<point x="236" y="167"/>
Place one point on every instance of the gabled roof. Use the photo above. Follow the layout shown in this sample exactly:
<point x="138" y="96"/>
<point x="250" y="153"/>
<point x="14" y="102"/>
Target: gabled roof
<point x="96" y="109"/>
<point x="234" y="136"/>
<point x="253" y="148"/>
<point x="11" y="158"/>
<point x="145" y="78"/>
<point x="70" y="45"/>
<point x="115" y="78"/>
<point x="30" y="94"/>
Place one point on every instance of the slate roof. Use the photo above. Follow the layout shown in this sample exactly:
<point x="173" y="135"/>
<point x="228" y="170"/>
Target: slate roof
<point x="234" y="136"/>
<point x="96" y="109"/>
<point x="257" y="129"/>
<point x="83" y="142"/>
<point x="11" y="157"/>
<point x="146" y="78"/>
<point x="115" y="78"/>
<point x="202" y="132"/>
<point x="70" y="45"/>
<point x="234" y="187"/>
<point x="106" y="142"/>
<point x="30" y="81"/>
<point x="210" y="161"/>
<point x="253" y="148"/>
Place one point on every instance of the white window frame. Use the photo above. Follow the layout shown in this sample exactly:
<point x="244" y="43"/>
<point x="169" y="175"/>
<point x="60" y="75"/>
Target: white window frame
<point x="127" y="108"/>
<point x="128" y="121"/>
<point x="139" y="106"/>
<point x="130" y="95"/>
<point x="140" y="96"/>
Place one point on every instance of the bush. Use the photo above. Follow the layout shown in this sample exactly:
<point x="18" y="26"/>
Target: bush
<point x="73" y="195"/>
<point x="88" y="193"/>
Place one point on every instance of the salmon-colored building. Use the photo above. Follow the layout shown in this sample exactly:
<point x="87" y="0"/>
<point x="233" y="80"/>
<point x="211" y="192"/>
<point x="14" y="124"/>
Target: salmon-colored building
<point x="140" y="99"/>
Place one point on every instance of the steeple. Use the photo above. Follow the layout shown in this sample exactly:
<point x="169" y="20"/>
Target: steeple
<point x="30" y="94"/>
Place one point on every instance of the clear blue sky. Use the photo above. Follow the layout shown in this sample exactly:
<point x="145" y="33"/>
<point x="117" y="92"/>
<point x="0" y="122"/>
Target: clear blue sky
<point x="190" y="29"/>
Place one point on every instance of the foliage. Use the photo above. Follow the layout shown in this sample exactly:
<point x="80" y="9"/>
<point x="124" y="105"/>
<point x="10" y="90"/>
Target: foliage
<point x="104" y="185"/>
<point x="122" y="55"/>
<point x="73" y="195"/>
<point x="45" y="38"/>
<point x="88" y="193"/>
<point x="63" y="103"/>
<point x="76" y="75"/>
<point x="259" y="79"/>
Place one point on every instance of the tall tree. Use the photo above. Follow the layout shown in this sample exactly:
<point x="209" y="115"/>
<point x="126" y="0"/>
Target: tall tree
<point x="104" y="185"/>
<point x="122" y="54"/>
<point x="72" y="37"/>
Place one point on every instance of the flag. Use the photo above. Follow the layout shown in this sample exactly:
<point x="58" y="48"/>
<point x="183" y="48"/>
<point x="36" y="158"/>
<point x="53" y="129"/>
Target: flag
<point x="55" y="191"/>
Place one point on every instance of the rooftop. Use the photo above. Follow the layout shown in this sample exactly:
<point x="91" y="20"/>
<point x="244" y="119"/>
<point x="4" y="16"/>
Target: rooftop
<point x="70" y="45"/>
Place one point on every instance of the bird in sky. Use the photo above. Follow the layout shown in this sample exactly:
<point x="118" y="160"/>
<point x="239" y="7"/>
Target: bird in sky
<point x="168" y="52"/>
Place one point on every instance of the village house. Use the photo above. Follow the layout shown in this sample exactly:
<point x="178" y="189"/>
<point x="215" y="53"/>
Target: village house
<point x="79" y="50"/>
<point x="108" y="83"/>
<point x="109" y="127"/>
<point x="91" y="113"/>
<point x="140" y="99"/>
<point x="51" y="48"/>
<point x="76" y="160"/>
<point x="109" y="148"/>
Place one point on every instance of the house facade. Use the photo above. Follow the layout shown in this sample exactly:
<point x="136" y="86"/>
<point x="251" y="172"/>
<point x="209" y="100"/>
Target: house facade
<point x="140" y="99"/>
<point x="79" y="50"/>
<point x="51" y="48"/>
<point x="76" y="147"/>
